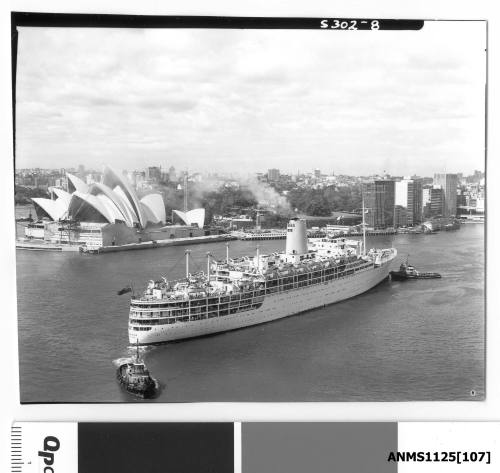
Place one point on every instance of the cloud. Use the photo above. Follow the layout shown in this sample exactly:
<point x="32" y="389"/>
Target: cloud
<point x="244" y="101"/>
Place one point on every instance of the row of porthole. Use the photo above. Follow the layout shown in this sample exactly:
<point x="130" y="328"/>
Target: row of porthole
<point x="214" y="317"/>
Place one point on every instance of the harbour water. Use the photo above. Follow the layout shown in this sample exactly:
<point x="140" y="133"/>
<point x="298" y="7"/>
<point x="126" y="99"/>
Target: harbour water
<point x="413" y="340"/>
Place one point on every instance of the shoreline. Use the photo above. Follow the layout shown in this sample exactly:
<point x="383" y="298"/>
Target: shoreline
<point x="42" y="246"/>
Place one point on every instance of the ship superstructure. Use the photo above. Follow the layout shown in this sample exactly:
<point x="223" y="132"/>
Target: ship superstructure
<point x="240" y="292"/>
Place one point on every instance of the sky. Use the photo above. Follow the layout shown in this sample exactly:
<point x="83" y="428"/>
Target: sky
<point x="243" y="101"/>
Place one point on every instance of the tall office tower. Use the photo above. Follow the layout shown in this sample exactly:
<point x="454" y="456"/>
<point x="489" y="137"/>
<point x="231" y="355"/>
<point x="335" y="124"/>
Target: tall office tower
<point x="379" y="203"/>
<point x="153" y="173"/>
<point x="408" y="194"/>
<point x="448" y="183"/>
<point x="172" y="174"/>
<point x="417" y="200"/>
<point x="400" y="216"/>
<point x="273" y="174"/>
<point x="433" y="202"/>
<point x="426" y="201"/>
<point x="437" y="201"/>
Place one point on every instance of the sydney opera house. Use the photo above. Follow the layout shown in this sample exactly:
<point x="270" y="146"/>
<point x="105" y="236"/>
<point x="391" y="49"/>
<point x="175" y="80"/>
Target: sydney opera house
<point x="106" y="214"/>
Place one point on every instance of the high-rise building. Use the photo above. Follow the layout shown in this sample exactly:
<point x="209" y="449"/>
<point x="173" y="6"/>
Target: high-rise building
<point x="408" y="194"/>
<point x="153" y="173"/>
<point x="172" y="174"/>
<point x="478" y="175"/>
<point x="437" y="201"/>
<point x="400" y="216"/>
<point x="317" y="173"/>
<point x="461" y="200"/>
<point x="273" y="174"/>
<point x="448" y="183"/>
<point x="379" y="203"/>
<point x="137" y="177"/>
<point x="433" y="202"/>
<point x="417" y="200"/>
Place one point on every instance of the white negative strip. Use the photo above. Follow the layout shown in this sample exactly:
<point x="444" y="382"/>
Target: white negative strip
<point x="237" y="447"/>
<point x="44" y="447"/>
<point x="465" y="447"/>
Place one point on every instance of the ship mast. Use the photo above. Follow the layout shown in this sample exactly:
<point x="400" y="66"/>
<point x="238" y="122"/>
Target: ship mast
<point x="208" y="266"/>
<point x="187" y="263"/>
<point x="363" y="223"/>
<point x="185" y="192"/>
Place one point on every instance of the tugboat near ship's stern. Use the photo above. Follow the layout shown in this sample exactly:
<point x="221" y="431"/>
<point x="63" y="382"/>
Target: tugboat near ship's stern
<point x="136" y="379"/>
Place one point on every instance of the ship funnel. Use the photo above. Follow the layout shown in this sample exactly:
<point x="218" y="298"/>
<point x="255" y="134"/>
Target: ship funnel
<point x="296" y="237"/>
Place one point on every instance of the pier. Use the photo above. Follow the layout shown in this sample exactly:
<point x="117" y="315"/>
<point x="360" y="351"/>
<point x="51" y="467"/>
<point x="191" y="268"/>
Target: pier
<point x="48" y="246"/>
<point x="270" y="235"/>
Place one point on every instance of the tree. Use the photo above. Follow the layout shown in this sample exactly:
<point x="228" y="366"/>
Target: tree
<point x="23" y="195"/>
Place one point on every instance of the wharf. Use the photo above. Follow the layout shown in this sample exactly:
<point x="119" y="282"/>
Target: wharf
<point x="368" y="232"/>
<point x="281" y="234"/>
<point x="172" y="242"/>
<point x="46" y="246"/>
<point x="276" y="235"/>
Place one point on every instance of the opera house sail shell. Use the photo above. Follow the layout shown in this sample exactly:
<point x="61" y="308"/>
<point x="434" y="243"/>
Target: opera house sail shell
<point x="153" y="204"/>
<point x="192" y="217"/>
<point x="113" y="200"/>
<point x="76" y="184"/>
<point x="119" y="182"/>
<point x="48" y="208"/>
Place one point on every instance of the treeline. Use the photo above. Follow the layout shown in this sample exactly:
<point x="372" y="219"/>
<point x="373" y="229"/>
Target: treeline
<point x="23" y="195"/>
<point x="222" y="201"/>
<point x="227" y="200"/>
<point x="322" y="202"/>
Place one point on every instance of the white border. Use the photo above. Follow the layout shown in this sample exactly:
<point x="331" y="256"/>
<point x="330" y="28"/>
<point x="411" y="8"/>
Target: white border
<point x="389" y="411"/>
<point x="237" y="447"/>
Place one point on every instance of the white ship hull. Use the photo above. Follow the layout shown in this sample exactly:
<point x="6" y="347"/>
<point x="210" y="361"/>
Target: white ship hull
<point x="275" y="306"/>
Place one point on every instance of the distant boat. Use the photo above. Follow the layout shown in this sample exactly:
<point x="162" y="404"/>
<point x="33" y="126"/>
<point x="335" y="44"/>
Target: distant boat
<point x="455" y="225"/>
<point x="29" y="218"/>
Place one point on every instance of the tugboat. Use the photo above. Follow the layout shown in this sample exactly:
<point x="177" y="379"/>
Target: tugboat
<point x="407" y="271"/>
<point x="453" y="225"/>
<point x="135" y="378"/>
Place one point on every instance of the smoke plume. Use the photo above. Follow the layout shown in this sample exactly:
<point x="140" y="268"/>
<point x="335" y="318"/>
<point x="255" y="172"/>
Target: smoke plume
<point x="267" y="197"/>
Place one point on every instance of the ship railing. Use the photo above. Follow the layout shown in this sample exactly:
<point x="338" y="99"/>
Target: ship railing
<point x="311" y="278"/>
<point x="242" y="301"/>
<point x="217" y="294"/>
<point x="339" y="268"/>
<point x="215" y="307"/>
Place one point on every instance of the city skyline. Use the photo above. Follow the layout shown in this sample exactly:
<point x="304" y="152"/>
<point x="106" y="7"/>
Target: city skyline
<point x="81" y="169"/>
<point x="264" y="99"/>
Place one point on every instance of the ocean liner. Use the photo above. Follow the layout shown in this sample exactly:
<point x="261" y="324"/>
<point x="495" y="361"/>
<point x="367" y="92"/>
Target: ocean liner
<point x="240" y="292"/>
